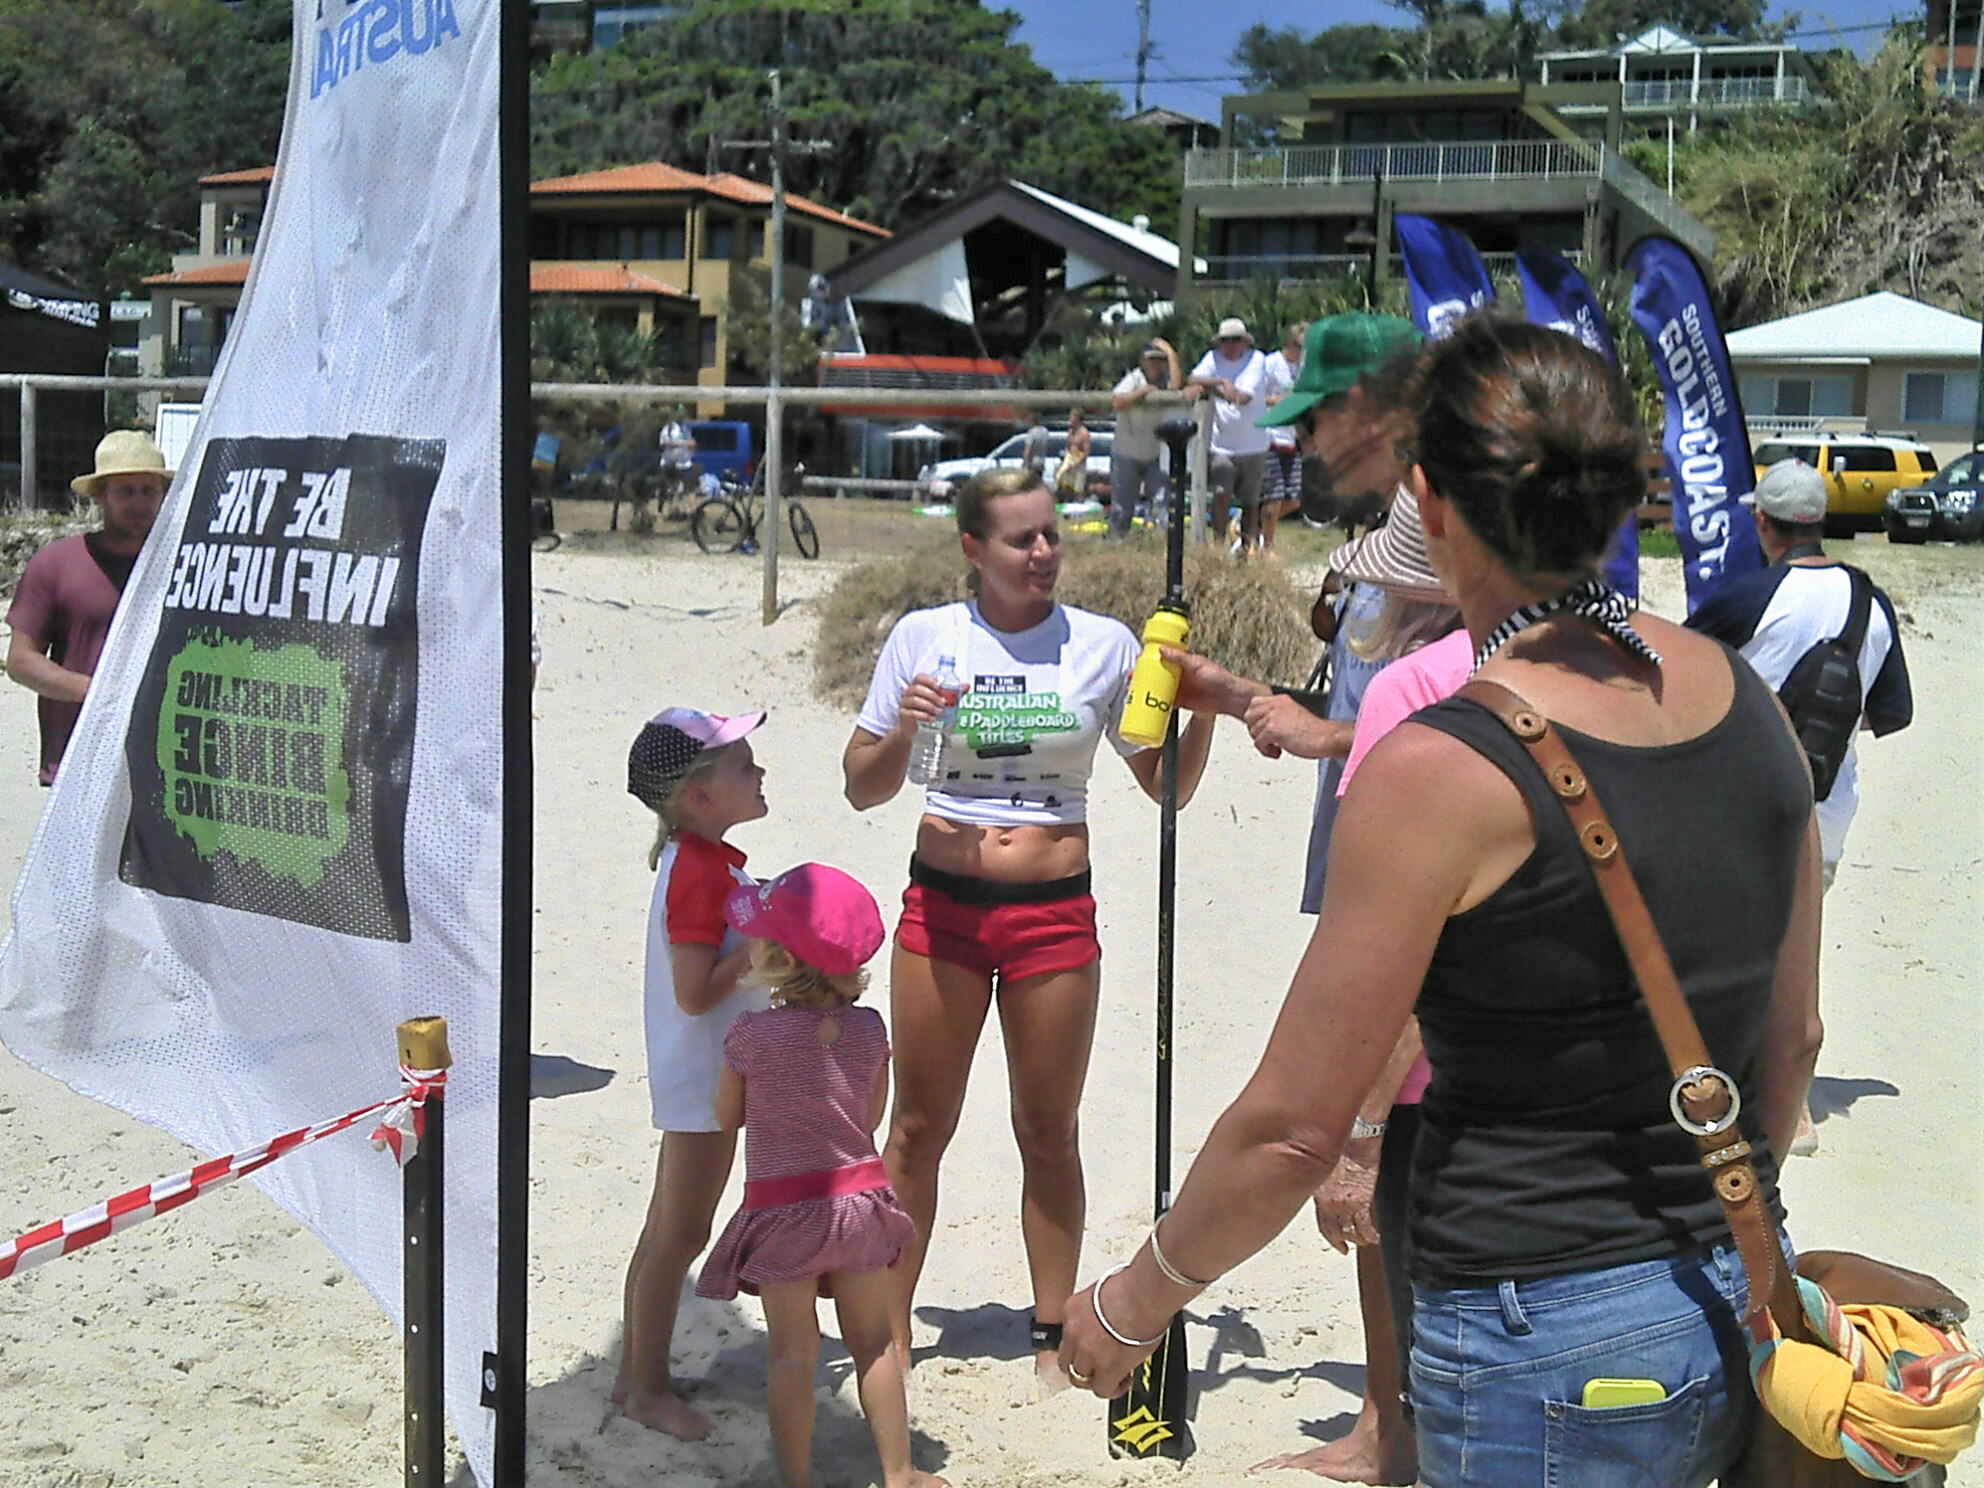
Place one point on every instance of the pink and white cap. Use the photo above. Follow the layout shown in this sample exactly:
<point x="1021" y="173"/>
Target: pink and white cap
<point x="668" y="744"/>
<point x="820" y="914"/>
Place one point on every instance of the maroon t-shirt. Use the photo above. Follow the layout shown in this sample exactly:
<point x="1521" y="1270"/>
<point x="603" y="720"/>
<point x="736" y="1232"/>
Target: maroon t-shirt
<point x="66" y="598"/>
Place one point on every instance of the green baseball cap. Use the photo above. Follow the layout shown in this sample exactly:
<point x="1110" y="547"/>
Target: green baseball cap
<point x="1340" y="349"/>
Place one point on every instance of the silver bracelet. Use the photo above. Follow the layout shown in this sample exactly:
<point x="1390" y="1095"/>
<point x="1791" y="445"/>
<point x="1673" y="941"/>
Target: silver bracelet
<point x="1361" y="1129"/>
<point x="1095" y="1301"/>
<point x="1171" y="1273"/>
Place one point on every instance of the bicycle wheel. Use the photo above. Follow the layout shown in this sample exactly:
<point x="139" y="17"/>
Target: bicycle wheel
<point x="804" y="534"/>
<point x="717" y="526"/>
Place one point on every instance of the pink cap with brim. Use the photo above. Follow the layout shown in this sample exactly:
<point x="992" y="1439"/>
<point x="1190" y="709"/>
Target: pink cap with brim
<point x="669" y="743"/>
<point x="820" y="914"/>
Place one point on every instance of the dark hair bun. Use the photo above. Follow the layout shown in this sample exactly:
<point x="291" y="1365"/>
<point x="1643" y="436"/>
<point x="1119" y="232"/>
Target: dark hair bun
<point x="1533" y="437"/>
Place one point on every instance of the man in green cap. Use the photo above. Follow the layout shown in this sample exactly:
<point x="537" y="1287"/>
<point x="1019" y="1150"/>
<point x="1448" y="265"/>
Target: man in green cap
<point x="1338" y="403"/>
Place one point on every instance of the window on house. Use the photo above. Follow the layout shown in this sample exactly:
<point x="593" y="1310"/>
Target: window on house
<point x="706" y="341"/>
<point x="798" y="246"/>
<point x="626" y="243"/>
<point x="719" y="237"/>
<point x="1798" y="397"/>
<point x="1938" y="398"/>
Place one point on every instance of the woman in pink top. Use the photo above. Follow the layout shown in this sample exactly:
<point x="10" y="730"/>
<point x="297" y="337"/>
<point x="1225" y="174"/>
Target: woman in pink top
<point x="808" y="1081"/>
<point x="1363" y="1203"/>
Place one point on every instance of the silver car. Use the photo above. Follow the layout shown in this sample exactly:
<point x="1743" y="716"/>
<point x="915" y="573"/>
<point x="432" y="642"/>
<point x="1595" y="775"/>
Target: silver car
<point x="939" y="482"/>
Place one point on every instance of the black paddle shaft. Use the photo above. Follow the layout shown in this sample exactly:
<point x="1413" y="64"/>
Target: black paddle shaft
<point x="1177" y="433"/>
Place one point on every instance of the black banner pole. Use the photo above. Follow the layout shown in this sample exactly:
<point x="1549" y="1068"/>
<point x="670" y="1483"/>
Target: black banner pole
<point x="503" y="1371"/>
<point x="423" y="1045"/>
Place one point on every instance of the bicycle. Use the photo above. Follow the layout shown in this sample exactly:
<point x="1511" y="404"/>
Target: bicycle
<point x="729" y="522"/>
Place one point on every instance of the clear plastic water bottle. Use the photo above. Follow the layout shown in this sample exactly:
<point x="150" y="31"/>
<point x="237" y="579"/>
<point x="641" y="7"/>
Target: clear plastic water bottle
<point x="926" y="750"/>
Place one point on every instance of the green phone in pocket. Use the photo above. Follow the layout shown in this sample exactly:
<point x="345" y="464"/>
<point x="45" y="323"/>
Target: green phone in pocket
<point x="1608" y="1394"/>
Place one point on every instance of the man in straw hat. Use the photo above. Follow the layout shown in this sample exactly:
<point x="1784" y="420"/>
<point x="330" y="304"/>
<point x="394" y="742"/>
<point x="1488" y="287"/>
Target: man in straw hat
<point x="1236" y="375"/>
<point x="69" y="591"/>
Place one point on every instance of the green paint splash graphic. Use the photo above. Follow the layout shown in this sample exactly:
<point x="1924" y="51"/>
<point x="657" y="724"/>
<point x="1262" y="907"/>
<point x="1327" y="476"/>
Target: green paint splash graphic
<point x="251" y="749"/>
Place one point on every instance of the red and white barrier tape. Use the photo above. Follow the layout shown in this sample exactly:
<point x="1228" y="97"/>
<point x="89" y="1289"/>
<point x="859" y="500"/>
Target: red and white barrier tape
<point x="399" y="1129"/>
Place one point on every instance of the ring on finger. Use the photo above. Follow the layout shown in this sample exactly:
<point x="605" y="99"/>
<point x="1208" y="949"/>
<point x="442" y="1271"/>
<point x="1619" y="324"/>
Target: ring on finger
<point x="1077" y="1376"/>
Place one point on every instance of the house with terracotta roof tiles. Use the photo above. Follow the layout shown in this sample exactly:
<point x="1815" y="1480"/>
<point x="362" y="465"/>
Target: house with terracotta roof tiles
<point x="648" y="246"/>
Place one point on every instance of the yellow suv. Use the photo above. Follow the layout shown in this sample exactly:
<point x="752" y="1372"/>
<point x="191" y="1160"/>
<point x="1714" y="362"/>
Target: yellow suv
<point x="1860" y="470"/>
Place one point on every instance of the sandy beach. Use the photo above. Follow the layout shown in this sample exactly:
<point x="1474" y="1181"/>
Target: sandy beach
<point x="222" y="1345"/>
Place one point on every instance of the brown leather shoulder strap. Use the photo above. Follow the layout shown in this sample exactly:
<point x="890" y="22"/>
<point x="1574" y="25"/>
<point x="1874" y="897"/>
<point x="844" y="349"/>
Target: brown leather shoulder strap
<point x="1705" y="1101"/>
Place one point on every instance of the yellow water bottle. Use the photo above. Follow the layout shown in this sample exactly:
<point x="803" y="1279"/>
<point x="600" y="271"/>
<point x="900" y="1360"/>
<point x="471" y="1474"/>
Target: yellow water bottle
<point x="1154" y="683"/>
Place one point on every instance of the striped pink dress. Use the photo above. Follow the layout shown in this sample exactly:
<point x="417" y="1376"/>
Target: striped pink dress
<point x="815" y="1196"/>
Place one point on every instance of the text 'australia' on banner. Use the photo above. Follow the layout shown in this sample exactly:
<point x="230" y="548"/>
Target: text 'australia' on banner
<point x="271" y="742"/>
<point x="1705" y="441"/>
<point x="278" y="828"/>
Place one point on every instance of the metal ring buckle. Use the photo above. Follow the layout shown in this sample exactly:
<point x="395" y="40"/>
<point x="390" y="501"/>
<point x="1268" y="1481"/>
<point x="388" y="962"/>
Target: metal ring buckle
<point x="1694" y="1076"/>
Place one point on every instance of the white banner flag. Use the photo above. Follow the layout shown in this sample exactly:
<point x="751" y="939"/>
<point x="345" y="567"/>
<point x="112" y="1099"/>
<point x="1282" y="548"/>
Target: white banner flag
<point x="276" y="832"/>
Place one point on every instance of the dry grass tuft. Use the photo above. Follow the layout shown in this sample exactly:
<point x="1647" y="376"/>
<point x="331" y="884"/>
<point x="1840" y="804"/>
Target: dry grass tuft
<point x="1247" y="617"/>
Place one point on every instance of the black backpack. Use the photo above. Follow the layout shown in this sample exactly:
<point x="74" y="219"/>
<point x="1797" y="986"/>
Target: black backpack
<point x="1823" y="694"/>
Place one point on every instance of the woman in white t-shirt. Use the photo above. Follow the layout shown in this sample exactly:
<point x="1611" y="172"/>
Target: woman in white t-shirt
<point x="998" y="908"/>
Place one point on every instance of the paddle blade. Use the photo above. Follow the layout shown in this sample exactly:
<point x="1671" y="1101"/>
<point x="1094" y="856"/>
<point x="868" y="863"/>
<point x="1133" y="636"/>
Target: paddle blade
<point x="1148" y="1418"/>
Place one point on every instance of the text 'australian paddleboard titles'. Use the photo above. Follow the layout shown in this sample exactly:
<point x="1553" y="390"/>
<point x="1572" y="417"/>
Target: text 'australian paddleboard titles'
<point x="271" y="551"/>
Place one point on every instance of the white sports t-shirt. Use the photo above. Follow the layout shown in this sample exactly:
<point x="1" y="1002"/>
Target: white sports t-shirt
<point x="1280" y="378"/>
<point x="1035" y="704"/>
<point x="1233" y="429"/>
<point x="685" y="1054"/>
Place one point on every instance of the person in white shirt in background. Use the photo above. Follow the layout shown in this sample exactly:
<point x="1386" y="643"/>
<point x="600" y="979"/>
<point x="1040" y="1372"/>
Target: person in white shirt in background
<point x="1236" y="373"/>
<point x="1137" y="471"/>
<point x="1281" y="482"/>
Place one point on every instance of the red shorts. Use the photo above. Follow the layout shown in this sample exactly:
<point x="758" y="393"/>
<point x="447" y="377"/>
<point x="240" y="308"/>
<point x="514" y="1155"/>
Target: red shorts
<point x="1006" y="942"/>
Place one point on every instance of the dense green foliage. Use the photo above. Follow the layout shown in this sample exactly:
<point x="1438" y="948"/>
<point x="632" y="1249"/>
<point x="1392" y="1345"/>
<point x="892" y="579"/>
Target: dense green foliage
<point x="918" y="102"/>
<point x="1466" y="39"/>
<point x="111" y="111"/>
<point x="1878" y="188"/>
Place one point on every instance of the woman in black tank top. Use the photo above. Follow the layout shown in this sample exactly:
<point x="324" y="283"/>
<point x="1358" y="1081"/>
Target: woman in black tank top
<point x="1561" y="1230"/>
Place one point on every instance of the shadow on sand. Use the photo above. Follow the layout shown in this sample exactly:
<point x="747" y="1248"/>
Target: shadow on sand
<point x="1833" y="1095"/>
<point x="576" y="1434"/>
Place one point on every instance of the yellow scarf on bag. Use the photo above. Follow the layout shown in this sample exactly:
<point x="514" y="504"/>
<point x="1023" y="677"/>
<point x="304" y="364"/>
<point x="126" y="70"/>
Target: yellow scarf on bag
<point x="1886" y="1391"/>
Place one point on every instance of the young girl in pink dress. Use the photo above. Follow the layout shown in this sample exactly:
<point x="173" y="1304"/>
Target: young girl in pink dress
<point x="808" y="1081"/>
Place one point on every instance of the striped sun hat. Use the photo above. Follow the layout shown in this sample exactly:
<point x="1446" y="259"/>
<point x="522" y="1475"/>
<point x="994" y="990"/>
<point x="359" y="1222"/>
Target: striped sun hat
<point x="1394" y="556"/>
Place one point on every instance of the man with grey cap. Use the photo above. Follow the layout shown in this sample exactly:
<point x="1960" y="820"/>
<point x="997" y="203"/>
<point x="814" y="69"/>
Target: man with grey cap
<point x="1236" y="374"/>
<point x="69" y="591"/>
<point x="1136" y="455"/>
<point x="1777" y="615"/>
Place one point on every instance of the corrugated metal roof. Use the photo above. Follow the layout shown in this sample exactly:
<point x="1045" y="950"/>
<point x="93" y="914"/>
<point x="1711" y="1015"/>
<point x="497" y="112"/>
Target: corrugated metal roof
<point x="603" y="278"/>
<point x="1883" y="325"/>
<point x="241" y="177"/>
<point x="1144" y="241"/>
<point x="655" y="176"/>
<point x="234" y="271"/>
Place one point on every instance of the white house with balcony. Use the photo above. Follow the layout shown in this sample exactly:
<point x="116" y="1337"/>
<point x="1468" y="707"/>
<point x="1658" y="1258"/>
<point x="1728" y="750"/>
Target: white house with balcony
<point x="1496" y="159"/>
<point x="1883" y="359"/>
<point x="1663" y="75"/>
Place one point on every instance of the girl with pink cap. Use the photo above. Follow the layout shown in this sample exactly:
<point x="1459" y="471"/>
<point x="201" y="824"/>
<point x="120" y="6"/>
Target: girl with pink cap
<point x="808" y="1081"/>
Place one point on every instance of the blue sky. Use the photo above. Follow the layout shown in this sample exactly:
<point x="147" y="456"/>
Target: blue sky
<point x="1194" y="38"/>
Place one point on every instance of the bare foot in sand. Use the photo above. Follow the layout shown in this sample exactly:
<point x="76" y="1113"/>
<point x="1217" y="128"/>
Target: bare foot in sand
<point x="1360" y="1457"/>
<point x="666" y="1413"/>
<point x="921" y="1480"/>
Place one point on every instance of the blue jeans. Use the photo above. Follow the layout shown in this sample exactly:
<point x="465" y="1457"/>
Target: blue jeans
<point x="1498" y="1373"/>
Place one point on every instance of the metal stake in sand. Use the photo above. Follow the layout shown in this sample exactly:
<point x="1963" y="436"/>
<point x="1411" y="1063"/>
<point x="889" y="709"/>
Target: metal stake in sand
<point x="424" y="1046"/>
<point x="1148" y="1418"/>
